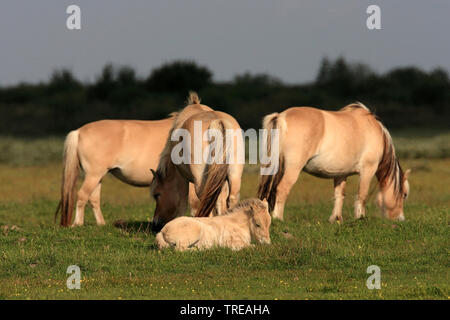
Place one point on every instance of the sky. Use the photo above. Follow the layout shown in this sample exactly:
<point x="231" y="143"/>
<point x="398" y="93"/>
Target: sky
<point x="285" y="38"/>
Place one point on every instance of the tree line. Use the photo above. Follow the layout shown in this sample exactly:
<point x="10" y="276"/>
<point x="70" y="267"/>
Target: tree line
<point x="406" y="96"/>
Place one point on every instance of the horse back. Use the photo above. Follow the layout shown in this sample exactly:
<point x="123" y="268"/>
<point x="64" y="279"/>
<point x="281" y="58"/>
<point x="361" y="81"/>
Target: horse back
<point x="331" y="142"/>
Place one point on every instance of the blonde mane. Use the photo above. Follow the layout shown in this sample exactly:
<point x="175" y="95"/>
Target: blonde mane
<point x="247" y="203"/>
<point x="356" y="105"/>
<point x="165" y="161"/>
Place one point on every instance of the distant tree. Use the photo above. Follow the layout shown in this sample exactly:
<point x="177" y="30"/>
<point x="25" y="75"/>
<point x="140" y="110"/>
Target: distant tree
<point x="324" y="71"/>
<point x="261" y="80"/>
<point x="104" y="84"/>
<point x="63" y="80"/>
<point x="342" y="78"/>
<point x="415" y="86"/>
<point x="180" y="77"/>
<point x="118" y="85"/>
<point x="126" y="76"/>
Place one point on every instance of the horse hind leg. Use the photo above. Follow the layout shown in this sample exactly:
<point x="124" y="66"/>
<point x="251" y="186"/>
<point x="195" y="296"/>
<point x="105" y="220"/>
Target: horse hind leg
<point x="221" y="204"/>
<point x="89" y="184"/>
<point x="284" y="187"/>
<point x="233" y="186"/>
<point x="94" y="200"/>
<point x="366" y="175"/>
<point x="339" y="194"/>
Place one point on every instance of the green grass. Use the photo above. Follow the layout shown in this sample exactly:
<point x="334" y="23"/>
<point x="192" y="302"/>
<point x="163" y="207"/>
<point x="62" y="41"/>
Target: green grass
<point x="308" y="258"/>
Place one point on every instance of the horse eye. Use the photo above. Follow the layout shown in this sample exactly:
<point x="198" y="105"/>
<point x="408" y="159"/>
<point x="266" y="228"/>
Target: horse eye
<point x="156" y="196"/>
<point x="258" y="225"/>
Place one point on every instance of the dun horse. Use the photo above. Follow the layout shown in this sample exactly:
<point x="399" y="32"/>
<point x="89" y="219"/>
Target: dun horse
<point x="126" y="148"/>
<point x="335" y="145"/>
<point x="217" y="184"/>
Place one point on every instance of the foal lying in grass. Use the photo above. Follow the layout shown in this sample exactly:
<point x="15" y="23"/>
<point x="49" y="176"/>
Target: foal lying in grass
<point x="248" y="220"/>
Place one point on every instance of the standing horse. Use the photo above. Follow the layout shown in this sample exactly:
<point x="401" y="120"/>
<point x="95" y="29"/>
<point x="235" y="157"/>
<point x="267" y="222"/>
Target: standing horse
<point x="125" y="148"/>
<point x="217" y="184"/>
<point x="335" y="145"/>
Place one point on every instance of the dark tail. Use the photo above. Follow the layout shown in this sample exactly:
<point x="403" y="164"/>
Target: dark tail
<point x="216" y="176"/>
<point x="269" y="183"/>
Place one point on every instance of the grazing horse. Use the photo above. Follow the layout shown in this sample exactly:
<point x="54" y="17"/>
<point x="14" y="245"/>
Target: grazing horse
<point x="217" y="183"/>
<point x="125" y="148"/>
<point x="248" y="220"/>
<point x="335" y="145"/>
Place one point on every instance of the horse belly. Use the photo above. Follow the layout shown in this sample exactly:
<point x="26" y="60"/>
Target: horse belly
<point x="134" y="176"/>
<point x="329" y="167"/>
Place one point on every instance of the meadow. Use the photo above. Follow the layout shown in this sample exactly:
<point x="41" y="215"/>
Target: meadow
<point x="309" y="258"/>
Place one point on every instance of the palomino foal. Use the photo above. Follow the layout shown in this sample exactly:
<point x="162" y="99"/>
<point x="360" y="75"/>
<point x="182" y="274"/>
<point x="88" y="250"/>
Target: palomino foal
<point x="335" y="145"/>
<point x="248" y="220"/>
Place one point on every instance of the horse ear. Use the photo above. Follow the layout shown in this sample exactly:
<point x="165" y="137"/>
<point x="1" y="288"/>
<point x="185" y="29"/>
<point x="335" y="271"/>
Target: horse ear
<point x="406" y="174"/>
<point x="155" y="174"/>
<point x="266" y="204"/>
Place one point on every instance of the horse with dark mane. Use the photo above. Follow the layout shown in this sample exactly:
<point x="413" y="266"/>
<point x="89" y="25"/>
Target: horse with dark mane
<point x="217" y="184"/>
<point x="335" y="145"/>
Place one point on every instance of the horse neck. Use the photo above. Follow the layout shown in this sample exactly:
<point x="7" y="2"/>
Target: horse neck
<point x="177" y="182"/>
<point x="237" y="218"/>
<point x="235" y="225"/>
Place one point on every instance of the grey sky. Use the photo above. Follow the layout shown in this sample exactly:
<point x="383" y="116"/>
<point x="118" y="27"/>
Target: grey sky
<point x="286" y="38"/>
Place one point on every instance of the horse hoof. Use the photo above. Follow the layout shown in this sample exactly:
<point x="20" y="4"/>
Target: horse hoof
<point x="76" y="225"/>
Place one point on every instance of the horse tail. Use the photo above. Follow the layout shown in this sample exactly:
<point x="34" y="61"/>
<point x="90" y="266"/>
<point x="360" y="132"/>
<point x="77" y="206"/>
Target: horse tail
<point x="216" y="174"/>
<point x="269" y="183"/>
<point x="71" y="170"/>
<point x="389" y="167"/>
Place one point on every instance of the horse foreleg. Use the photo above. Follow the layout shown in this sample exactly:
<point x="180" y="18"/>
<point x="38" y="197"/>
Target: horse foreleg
<point x="88" y="186"/>
<point x="339" y="194"/>
<point x="365" y="177"/>
<point x="194" y="201"/>
<point x="94" y="200"/>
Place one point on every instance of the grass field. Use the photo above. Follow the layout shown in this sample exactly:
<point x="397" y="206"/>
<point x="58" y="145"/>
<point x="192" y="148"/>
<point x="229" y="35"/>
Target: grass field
<point x="308" y="258"/>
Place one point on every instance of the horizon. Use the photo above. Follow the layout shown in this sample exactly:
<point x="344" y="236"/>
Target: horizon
<point x="142" y="77"/>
